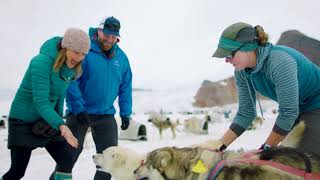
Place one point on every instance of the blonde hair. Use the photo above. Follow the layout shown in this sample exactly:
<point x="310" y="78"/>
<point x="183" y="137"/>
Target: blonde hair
<point x="262" y="36"/>
<point x="61" y="59"/>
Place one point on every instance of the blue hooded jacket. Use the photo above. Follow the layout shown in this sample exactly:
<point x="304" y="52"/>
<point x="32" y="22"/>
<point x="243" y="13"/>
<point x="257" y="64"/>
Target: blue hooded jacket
<point x="102" y="80"/>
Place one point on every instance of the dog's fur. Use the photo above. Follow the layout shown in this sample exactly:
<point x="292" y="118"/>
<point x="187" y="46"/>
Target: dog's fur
<point x="171" y="161"/>
<point x="177" y="163"/>
<point x="293" y="139"/>
<point x="119" y="162"/>
<point x="258" y="121"/>
<point x="163" y="123"/>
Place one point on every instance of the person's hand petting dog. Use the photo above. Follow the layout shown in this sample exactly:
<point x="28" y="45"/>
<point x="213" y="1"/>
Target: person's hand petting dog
<point x="213" y="145"/>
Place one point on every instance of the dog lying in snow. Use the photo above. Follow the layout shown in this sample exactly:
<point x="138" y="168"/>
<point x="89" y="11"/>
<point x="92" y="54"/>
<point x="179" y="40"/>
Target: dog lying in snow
<point x="120" y="162"/>
<point x="197" y="163"/>
<point x="197" y="125"/>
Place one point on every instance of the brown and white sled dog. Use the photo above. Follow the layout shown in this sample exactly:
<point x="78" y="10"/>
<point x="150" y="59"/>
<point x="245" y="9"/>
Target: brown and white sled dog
<point x="162" y="123"/>
<point x="120" y="162"/>
<point x="174" y="163"/>
<point x="196" y="164"/>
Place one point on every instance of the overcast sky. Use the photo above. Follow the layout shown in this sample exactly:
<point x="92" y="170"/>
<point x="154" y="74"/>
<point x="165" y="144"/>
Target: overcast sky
<point x="169" y="42"/>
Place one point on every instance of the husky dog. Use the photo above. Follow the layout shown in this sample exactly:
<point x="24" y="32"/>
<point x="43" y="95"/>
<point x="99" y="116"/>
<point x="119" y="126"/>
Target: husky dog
<point x="197" y="125"/>
<point x="119" y="162"/>
<point x="196" y="164"/>
<point x="163" y="123"/>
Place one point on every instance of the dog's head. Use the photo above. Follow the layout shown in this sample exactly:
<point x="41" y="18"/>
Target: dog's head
<point x="154" y="166"/>
<point x="168" y="163"/>
<point x="110" y="159"/>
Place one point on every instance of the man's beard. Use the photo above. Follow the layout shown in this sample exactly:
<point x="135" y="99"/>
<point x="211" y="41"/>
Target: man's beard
<point x="105" y="46"/>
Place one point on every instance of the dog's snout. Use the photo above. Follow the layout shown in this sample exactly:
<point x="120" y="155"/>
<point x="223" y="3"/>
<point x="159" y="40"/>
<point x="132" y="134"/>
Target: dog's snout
<point x="149" y="120"/>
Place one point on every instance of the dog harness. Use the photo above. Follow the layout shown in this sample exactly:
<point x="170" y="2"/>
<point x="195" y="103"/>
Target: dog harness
<point x="246" y="158"/>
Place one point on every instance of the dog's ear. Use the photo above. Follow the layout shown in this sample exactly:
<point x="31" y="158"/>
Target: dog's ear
<point x="162" y="159"/>
<point x="164" y="163"/>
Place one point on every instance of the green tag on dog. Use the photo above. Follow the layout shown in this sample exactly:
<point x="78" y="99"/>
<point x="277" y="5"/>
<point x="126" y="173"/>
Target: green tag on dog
<point x="199" y="167"/>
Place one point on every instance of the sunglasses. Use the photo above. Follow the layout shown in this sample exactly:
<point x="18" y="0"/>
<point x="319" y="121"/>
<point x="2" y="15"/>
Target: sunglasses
<point x="112" y="26"/>
<point x="233" y="53"/>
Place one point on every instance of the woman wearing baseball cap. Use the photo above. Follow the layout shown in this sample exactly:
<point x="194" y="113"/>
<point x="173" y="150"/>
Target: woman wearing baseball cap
<point x="35" y="118"/>
<point x="278" y="72"/>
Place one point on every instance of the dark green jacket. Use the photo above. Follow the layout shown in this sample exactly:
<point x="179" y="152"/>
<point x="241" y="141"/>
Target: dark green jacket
<point x="42" y="91"/>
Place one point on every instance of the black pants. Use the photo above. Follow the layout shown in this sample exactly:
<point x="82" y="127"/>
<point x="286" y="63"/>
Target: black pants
<point x="310" y="141"/>
<point x="104" y="131"/>
<point x="20" y="157"/>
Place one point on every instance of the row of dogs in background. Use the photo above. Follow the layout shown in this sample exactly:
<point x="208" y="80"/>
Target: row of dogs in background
<point x="194" y="124"/>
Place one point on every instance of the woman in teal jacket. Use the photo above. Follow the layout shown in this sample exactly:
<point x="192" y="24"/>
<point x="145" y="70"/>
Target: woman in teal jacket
<point x="278" y="72"/>
<point x="35" y="118"/>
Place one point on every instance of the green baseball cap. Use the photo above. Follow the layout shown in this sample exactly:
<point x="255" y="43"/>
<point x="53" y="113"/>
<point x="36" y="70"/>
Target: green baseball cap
<point x="240" y="33"/>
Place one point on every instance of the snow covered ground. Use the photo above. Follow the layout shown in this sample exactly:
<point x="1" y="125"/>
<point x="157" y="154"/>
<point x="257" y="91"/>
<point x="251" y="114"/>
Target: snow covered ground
<point x="175" y="101"/>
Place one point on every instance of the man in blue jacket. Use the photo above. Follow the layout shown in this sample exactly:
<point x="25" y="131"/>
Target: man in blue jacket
<point x="106" y="75"/>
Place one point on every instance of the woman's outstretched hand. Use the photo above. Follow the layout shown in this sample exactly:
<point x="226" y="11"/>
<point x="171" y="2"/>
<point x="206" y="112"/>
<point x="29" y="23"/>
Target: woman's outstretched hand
<point x="67" y="134"/>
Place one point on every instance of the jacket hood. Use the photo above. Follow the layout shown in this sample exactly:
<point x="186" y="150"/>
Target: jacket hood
<point x="49" y="47"/>
<point x="262" y="54"/>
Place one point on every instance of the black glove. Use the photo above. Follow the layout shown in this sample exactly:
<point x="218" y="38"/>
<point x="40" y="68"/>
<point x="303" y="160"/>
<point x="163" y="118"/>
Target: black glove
<point x="125" y="123"/>
<point x="83" y="118"/>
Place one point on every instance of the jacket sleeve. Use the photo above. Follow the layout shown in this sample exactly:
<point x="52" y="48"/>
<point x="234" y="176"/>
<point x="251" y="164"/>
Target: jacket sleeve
<point x="247" y="104"/>
<point x="125" y="92"/>
<point x="41" y="69"/>
<point x="74" y="99"/>
<point x="283" y="72"/>
<point x="60" y="106"/>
